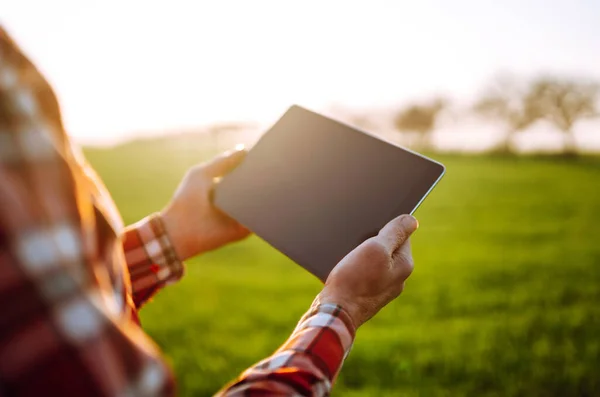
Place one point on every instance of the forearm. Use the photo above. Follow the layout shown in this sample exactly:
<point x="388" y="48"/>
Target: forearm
<point x="307" y="363"/>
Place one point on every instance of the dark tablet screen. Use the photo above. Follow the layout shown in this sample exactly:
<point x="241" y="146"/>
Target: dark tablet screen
<point x="315" y="188"/>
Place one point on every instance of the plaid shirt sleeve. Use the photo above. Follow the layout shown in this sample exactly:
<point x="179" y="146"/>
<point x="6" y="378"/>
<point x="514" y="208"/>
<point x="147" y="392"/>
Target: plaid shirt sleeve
<point x="68" y="324"/>
<point x="150" y="257"/>
<point x="308" y="362"/>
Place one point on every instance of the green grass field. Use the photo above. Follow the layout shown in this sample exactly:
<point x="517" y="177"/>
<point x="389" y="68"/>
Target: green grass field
<point x="504" y="300"/>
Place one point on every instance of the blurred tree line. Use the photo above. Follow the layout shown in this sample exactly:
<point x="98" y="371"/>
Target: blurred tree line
<point x="516" y="105"/>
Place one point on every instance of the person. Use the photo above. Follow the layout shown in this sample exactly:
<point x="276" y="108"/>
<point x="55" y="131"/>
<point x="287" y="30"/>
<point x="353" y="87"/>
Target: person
<point x="72" y="278"/>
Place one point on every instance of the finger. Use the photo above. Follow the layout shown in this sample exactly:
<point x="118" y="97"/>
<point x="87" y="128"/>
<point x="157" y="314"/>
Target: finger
<point x="225" y="163"/>
<point x="397" y="231"/>
<point x="402" y="260"/>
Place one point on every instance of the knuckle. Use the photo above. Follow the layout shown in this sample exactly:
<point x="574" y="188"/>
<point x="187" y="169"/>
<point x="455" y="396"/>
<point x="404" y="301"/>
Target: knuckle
<point x="408" y="267"/>
<point x="193" y="172"/>
<point x="397" y="232"/>
<point x="400" y="235"/>
<point x="405" y="265"/>
<point x="198" y="174"/>
<point x="375" y="249"/>
<point x="199" y="170"/>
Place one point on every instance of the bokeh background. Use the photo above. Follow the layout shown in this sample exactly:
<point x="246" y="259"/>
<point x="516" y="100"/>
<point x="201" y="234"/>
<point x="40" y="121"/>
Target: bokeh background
<point x="505" y="298"/>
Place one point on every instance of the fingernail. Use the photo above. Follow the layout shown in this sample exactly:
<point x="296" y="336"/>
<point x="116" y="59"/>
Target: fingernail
<point x="410" y="223"/>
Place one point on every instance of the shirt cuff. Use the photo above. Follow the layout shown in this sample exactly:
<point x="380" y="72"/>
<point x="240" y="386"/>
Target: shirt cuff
<point x="333" y="317"/>
<point x="150" y="257"/>
<point x="325" y="335"/>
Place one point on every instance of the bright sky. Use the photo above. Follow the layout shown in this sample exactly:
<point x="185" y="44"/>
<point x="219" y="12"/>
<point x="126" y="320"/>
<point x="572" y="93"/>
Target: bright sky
<point x="122" y="66"/>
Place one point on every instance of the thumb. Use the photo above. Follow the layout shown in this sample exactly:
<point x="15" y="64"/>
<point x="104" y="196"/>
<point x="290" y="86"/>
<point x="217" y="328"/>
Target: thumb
<point x="397" y="231"/>
<point x="225" y="163"/>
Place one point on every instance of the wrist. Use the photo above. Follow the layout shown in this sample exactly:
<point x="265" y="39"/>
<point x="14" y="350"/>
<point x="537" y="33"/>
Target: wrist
<point x="354" y="311"/>
<point x="176" y="234"/>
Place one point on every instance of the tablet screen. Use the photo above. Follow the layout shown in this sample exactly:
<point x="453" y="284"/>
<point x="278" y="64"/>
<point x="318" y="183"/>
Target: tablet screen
<point x="315" y="188"/>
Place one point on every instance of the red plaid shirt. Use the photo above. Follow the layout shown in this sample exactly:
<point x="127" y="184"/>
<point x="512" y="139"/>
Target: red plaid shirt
<point x="72" y="278"/>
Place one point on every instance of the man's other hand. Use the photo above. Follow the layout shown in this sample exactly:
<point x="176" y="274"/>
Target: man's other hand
<point x="373" y="274"/>
<point x="193" y="223"/>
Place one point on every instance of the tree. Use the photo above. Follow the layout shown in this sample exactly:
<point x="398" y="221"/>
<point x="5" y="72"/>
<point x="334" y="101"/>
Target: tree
<point x="421" y="119"/>
<point x="563" y="102"/>
<point x="505" y="101"/>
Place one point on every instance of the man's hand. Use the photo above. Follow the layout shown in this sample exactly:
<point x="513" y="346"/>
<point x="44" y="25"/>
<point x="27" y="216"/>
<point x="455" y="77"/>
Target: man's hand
<point x="192" y="222"/>
<point x="373" y="274"/>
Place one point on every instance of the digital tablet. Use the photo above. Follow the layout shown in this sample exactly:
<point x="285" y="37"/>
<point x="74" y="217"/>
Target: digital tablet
<point x="315" y="188"/>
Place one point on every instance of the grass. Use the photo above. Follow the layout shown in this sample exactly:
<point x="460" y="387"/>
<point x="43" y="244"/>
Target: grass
<point x="504" y="301"/>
